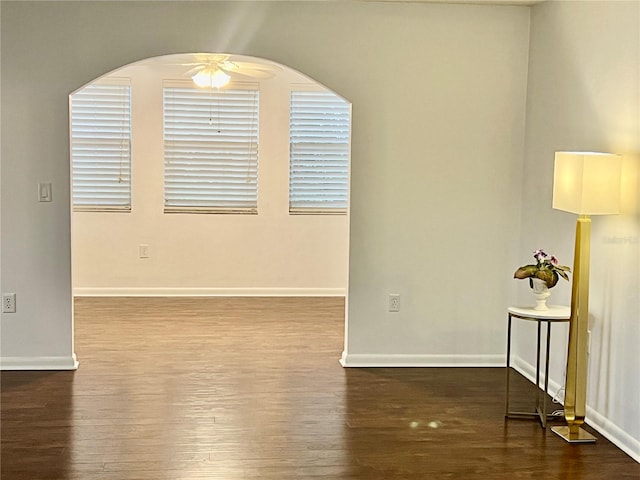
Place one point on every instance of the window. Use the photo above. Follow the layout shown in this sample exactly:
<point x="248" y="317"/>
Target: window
<point x="101" y="147"/>
<point x="211" y="150"/>
<point x="319" y="153"/>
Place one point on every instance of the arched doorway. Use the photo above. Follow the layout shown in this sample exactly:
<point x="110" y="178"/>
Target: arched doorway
<point x="153" y="247"/>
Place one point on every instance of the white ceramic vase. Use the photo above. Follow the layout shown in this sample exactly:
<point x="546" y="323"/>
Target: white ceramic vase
<point x="541" y="292"/>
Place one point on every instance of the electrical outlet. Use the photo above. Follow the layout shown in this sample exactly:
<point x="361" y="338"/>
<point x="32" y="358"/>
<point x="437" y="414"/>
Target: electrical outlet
<point x="394" y="302"/>
<point x="143" y="250"/>
<point x="8" y="303"/>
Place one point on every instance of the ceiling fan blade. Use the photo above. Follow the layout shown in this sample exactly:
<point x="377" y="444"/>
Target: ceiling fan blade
<point x="193" y="71"/>
<point x="259" y="66"/>
<point x="199" y="61"/>
<point x="249" y="72"/>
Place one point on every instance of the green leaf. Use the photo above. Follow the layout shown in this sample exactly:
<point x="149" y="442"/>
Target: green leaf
<point x="549" y="276"/>
<point x="526" y="272"/>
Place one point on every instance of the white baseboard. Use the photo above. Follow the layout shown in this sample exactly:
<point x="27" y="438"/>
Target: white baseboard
<point x="617" y="436"/>
<point x="608" y="429"/>
<point x="391" y="360"/>
<point x="39" y="363"/>
<point x="209" y="292"/>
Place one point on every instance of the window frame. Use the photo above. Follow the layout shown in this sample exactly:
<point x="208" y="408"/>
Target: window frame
<point x="253" y="168"/>
<point x="74" y="142"/>
<point x="318" y="210"/>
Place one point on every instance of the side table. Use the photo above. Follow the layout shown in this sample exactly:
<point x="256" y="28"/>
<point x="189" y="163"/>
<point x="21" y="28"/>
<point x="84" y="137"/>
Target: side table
<point x="555" y="314"/>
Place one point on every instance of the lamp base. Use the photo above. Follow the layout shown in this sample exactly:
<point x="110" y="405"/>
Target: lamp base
<point x="578" y="435"/>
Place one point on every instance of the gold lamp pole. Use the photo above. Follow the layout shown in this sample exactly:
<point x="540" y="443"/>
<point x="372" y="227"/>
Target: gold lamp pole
<point x="584" y="183"/>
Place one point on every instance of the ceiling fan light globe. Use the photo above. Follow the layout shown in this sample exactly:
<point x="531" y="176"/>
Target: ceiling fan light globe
<point x="219" y="79"/>
<point x="211" y="78"/>
<point x="202" y="78"/>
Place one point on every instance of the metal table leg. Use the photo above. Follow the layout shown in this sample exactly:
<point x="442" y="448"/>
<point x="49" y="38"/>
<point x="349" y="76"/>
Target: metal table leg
<point x="506" y="403"/>
<point x="541" y="404"/>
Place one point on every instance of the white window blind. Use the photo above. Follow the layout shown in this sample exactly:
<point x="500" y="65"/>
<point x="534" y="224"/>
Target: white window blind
<point x="319" y="153"/>
<point x="211" y="150"/>
<point x="101" y="147"/>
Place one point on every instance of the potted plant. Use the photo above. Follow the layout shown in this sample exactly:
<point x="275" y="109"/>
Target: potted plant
<point x="542" y="275"/>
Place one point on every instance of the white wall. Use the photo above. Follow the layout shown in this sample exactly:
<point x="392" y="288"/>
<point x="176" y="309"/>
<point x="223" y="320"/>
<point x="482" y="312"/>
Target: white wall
<point x="584" y="94"/>
<point x="438" y="112"/>
<point x="270" y="253"/>
<point x="438" y="97"/>
<point x="436" y="189"/>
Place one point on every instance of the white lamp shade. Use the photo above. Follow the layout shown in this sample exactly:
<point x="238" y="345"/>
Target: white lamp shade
<point x="587" y="183"/>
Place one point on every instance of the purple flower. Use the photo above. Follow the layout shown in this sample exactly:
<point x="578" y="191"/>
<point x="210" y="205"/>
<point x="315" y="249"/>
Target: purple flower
<point x="539" y="255"/>
<point x="554" y="260"/>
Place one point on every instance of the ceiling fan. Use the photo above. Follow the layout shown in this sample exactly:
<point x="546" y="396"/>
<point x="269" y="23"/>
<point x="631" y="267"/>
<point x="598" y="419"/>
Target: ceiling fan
<point x="216" y="70"/>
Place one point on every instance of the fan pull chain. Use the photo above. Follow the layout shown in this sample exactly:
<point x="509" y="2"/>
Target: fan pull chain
<point x="218" y="99"/>
<point x="217" y="108"/>
<point x="211" y="106"/>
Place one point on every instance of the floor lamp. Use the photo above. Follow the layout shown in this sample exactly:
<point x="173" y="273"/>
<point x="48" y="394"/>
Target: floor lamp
<point x="586" y="184"/>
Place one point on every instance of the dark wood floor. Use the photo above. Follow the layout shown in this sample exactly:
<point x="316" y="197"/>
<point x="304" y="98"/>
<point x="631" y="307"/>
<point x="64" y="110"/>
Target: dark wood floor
<point x="235" y="389"/>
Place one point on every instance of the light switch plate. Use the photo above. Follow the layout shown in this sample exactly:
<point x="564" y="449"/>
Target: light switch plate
<point x="44" y="192"/>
